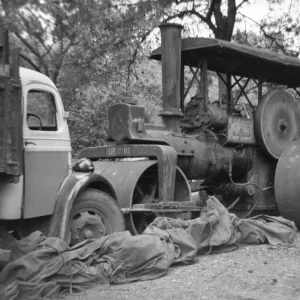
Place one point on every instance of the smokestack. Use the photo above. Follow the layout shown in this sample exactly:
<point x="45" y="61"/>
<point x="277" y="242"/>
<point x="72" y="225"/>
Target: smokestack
<point x="171" y="69"/>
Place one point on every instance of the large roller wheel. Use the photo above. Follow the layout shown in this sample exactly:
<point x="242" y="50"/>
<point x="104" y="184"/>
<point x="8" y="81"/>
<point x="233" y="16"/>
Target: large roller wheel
<point x="94" y="214"/>
<point x="136" y="182"/>
<point x="146" y="191"/>
<point x="277" y="122"/>
<point x="287" y="187"/>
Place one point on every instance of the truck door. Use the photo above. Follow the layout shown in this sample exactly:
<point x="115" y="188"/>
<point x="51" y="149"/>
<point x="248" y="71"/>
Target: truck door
<point x="47" y="156"/>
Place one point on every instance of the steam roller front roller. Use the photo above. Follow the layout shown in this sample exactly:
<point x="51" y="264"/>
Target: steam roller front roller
<point x="287" y="183"/>
<point x="136" y="182"/>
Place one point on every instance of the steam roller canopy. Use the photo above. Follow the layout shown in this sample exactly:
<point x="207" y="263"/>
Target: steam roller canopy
<point x="287" y="183"/>
<point x="277" y="122"/>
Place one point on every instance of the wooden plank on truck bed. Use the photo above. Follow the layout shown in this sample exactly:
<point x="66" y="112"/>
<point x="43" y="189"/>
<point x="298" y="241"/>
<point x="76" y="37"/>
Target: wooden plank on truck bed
<point x="4" y="70"/>
<point x="11" y="117"/>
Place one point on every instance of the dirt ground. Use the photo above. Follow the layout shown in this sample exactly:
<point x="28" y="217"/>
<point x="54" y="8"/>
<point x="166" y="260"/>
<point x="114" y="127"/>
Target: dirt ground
<point x="260" y="272"/>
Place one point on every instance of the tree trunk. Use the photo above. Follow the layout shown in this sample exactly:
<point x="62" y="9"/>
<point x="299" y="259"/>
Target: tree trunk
<point x="224" y="31"/>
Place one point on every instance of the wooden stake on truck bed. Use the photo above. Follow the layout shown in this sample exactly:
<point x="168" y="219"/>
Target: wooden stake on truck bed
<point x="11" y="116"/>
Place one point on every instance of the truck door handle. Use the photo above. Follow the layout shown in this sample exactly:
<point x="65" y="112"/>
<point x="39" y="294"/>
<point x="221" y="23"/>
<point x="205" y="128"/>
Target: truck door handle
<point x="29" y="143"/>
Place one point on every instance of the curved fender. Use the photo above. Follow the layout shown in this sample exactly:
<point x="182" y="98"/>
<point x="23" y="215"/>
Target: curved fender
<point x="64" y="202"/>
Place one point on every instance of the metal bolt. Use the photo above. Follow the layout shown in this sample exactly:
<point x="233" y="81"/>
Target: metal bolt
<point x="250" y="190"/>
<point x="88" y="234"/>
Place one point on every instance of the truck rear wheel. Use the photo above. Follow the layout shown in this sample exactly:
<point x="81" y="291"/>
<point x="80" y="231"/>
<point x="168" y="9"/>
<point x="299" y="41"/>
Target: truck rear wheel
<point x="94" y="214"/>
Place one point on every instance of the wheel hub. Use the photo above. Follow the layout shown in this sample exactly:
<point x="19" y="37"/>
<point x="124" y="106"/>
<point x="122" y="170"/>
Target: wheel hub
<point x="277" y="122"/>
<point x="87" y="225"/>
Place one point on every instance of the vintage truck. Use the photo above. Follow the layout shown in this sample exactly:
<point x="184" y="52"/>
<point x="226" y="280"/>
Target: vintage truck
<point x="36" y="176"/>
<point x="249" y="159"/>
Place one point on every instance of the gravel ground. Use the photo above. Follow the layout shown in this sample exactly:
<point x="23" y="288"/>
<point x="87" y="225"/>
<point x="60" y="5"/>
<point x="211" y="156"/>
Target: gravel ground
<point x="261" y="272"/>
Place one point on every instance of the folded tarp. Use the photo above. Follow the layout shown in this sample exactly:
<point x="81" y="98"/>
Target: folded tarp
<point x="48" y="268"/>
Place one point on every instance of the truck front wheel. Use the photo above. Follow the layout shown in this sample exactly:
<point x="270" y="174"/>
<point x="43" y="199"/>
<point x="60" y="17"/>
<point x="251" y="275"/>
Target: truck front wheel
<point x="94" y="214"/>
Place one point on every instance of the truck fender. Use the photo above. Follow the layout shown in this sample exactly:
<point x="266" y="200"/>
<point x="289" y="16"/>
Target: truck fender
<point x="71" y="189"/>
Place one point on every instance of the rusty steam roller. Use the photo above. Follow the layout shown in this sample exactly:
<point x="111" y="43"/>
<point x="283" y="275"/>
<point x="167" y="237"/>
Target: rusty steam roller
<point x="245" y="152"/>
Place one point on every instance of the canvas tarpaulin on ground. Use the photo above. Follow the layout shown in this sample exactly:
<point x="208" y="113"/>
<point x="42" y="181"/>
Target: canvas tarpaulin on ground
<point x="45" y="267"/>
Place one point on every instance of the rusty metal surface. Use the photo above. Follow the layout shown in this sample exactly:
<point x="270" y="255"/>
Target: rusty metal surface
<point x="241" y="60"/>
<point x="171" y="71"/>
<point x="123" y="176"/>
<point x="240" y="131"/>
<point x="277" y="122"/>
<point x="163" y="207"/>
<point x="126" y="124"/>
<point x="287" y="178"/>
<point x="197" y="114"/>
<point x="126" y="121"/>
<point x="262" y="174"/>
<point x="165" y="155"/>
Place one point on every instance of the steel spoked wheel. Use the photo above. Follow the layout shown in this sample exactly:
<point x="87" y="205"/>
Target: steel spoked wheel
<point x="146" y="191"/>
<point x="94" y="214"/>
<point x="145" y="194"/>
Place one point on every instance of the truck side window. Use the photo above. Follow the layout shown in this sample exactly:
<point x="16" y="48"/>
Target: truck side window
<point x="41" y="111"/>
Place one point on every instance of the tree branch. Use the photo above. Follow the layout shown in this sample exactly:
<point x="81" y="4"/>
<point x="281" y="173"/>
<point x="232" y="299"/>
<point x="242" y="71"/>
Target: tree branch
<point x="269" y="36"/>
<point x="27" y="44"/>
<point x="195" y="13"/>
<point x="244" y="1"/>
<point x="132" y="60"/>
<point x="210" y="10"/>
<point x="30" y="62"/>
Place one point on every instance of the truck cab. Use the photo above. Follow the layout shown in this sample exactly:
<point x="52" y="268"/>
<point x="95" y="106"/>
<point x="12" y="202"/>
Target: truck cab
<point x="47" y="146"/>
<point x="47" y="151"/>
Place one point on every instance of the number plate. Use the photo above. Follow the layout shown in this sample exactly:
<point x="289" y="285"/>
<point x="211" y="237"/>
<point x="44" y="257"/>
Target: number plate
<point x="118" y="151"/>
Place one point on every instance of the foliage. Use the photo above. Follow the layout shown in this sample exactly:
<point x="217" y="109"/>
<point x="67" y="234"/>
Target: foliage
<point x="44" y="29"/>
<point x="96" y="50"/>
<point x="278" y="30"/>
<point x="88" y="110"/>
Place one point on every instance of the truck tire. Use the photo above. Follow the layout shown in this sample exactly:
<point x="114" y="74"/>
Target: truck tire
<point x="94" y="214"/>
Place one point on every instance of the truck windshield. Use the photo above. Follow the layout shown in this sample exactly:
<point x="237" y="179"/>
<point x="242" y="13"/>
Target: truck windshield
<point x="41" y="111"/>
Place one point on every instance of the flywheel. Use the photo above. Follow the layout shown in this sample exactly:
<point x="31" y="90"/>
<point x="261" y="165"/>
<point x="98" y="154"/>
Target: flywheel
<point x="277" y="122"/>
